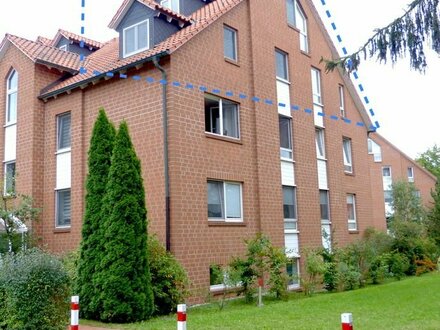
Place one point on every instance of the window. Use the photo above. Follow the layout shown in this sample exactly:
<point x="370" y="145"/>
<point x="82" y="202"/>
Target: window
<point x="289" y="209"/>
<point x="282" y="71"/>
<point x="221" y="117"/>
<point x="386" y="171"/>
<point x="351" y="212"/>
<point x="292" y="270"/>
<point x="63" y="208"/>
<point x="388" y="196"/>
<point x="171" y="4"/>
<point x="297" y="18"/>
<point x="136" y="38"/>
<point x="375" y="150"/>
<point x="320" y="146"/>
<point x="323" y="201"/>
<point x="348" y="163"/>
<point x="224" y="201"/>
<point x="63" y="131"/>
<point x="410" y="172"/>
<point x="11" y="98"/>
<point x="9" y="188"/>
<point x="285" y="138"/>
<point x="341" y="101"/>
<point x="316" y="87"/>
<point x="230" y="43"/>
<point x="63" y="47"/>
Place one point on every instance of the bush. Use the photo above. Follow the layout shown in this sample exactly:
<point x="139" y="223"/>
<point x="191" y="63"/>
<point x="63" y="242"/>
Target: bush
<point x="70" y="262"/>
<point x="168" y="278"/>
<point x="314" y="271"/>
<point x="34" y="292"/>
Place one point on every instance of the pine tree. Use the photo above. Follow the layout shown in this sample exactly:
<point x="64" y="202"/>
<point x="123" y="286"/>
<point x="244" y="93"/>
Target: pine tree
<point x="100" y="152"/>
<point x="434" y="216"/>
<point x="123" y="278"/>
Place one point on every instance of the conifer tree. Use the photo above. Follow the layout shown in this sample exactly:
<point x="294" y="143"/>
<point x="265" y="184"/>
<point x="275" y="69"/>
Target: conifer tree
<point x="100" y="152"/>
<point x="123" y="278"/>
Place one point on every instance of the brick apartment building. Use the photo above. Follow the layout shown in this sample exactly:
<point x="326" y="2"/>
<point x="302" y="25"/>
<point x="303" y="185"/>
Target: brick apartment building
<point x="258" y="138"/>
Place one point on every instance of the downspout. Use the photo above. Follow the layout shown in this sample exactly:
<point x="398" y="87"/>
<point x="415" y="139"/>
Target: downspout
<point x="165" y="154"/>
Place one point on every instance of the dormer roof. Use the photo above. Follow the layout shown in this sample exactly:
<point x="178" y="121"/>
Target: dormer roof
<point x="75" y="38"/>
<point x="168" y="13"/>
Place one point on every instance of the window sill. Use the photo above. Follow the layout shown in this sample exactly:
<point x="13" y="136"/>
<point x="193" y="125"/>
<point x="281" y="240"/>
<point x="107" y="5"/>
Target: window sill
<point x="61" y="230"/>
<point x="352" y="231"/>
<point x="214" y="223"/>
<point x="12" y="123"/>
<point x="293" y="27"/>
<point x="63" y="151"/>
<point x="287" y="160"/>
<point x="349" y="173"/>
<point x="306" y="53"/>
<point x="231" y="61"/>
<point x="223" y="138"/>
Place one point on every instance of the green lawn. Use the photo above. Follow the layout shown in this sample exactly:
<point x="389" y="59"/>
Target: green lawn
<point x="413" y="303"/>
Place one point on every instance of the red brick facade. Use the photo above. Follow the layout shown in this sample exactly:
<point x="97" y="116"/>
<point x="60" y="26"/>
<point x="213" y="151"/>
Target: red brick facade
<point x="196" y="156"/>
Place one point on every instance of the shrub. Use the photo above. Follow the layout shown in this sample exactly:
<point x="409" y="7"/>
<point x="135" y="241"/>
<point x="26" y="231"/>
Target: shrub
<point x="70" y="262"/>
<point x="424" y="266"/>
<point x="314" y="271"/>
<point x="169" y="279"/>
<point x="34" y="291"/>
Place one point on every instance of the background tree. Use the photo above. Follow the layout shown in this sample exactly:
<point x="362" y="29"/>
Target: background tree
<point x="407" y="34"/>
<point x="430" y="160"/>
<point x="123" y="277"/>
<point x="100" y="152"/>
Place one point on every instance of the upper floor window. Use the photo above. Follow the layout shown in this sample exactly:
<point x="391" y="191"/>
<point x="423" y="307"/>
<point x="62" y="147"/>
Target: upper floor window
<point x="348" y="161"/>
<point x="341" y="101"/>
<point x="351" y="212"/>
<point x="230" y="43"/>
<point x="320" y="146"/>
<point x="282" y="64"/>
<point x="375" y="150"/>
<point x="221" y="117"/>
<point x="136" y="38"/>
<point x="324" y="206"/>
<point x="171" y="4"/>
<point x="11" y="98"/>
<point x="63" y="209"/>
<point x="289" y="208"/>
<point x="386" y="171"/>
<point x="285" y="138"/>
<point x="410" y="172"/>
<point x="297" y="18"/>
<point x="224" y="201"/>
<point x="63" y="131"/>
<point x="316" y="86"/>
<point x="9" y="188"/>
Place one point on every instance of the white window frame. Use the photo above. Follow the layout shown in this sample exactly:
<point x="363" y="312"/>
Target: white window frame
<point x="136" y="29"/>
<point x="57" y="191"/>
<point x="285" y="150"/>
<point x="352" y="222"/>
<point x="235" y="34"/>
<point x="225" y="218"/>
<point x="410" y="173"/>
<point x="320" y="140"/>
<point x="171" y="4"/>
<point x="389" y="168"/>
<point x="6" y="178"/>
<point x="295" y="284"/>
<point x="325" y="221"/>
<point x="299" y="15"/>
<point x="10" y="91"/>
<point x="220" y="106"/>
<point x="347" y="155"/>
<point x="342" y="102"/>
<point x="316" y="87"/>
<point x="291" y="220"/>
<point x="286" y="64"/>
<point x="59" y="118"/>
<point x="63" y="47"/>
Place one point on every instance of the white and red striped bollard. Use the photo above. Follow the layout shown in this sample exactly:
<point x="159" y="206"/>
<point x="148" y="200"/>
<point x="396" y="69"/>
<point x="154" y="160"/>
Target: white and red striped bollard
<point x="74" y="313"/>
<point x="347" y="321"/>
<point x="181" y="317"/>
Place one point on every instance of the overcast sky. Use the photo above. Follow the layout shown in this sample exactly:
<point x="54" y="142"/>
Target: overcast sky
<point x="405" y="102"/>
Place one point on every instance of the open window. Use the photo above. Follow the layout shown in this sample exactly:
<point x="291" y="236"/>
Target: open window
<point x="221" y="117"/>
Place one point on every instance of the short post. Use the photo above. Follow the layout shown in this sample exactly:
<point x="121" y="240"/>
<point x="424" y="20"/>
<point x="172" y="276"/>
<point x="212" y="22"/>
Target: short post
<point x="74" y="313"/>
<point x="260" y="291"/>
<point x="347" y="321"/>
<point x="181" y="317"/>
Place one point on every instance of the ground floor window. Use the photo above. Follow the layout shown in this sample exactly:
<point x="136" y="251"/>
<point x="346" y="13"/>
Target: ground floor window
<point x="292" y="269"/>
<point x="63" y="211"/>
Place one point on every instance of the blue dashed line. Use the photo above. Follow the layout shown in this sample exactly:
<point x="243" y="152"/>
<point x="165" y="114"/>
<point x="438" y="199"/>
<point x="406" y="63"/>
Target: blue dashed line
<point x="339" y="38"/>
<point x="229" y="93"/>
<point x="163" y="82"/>
<point x="96" y="73"/>
<point x="344" y="50"/>
<point x="360" y="124"/>
<point x="255" y="99"/>
<point x="355" y="75"/>
<point x="377" y="124"/>
<point x="81" y="57"/>
<point x="269" y="102"/>
<point x="295" y="107"/>
<point x="347" y="121"/>
<point x="321" y="114"/>
<point x="203" y="88"/>
<point x="282" y="105"/>
<point x="137" y="78"/>
<point x="109" y="74"/>
<point x="328" y="13"/>
<point x="176" y="84"/>
<point x="366" y="100"/>
<point x="122" y="76"/>
<point x="361" y="88"/>
<point x="189" y="86"/>
<point x="333" y="117"/>
<point x="334" y="26"/>
<point x="82" y="70"/>
<point x="323" y="2"/>
<point x="372" y="112"/>
<point x="216" y="91"/>
<point x="149" y="80"/>
<point x="242" y="96"/>
<point x="308" y="111"/>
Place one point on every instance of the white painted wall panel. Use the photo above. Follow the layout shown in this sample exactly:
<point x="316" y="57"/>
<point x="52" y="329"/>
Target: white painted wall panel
<point x="287" y="174"/>
<point x="292" y="245"/>
<point x="319" y="120"/>
<point x="283" y="96"/>
<point x="322" y="174"/>
<point x="63" y="170"/>
<point x="10" y="142"/>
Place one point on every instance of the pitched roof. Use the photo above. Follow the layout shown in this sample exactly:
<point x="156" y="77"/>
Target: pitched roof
<point x="107" y="58"/>
<point x="75" y="37"/>
<point x="44" y="41"/>
<point x="40" y="53"/>
<point x="150" y="4"/>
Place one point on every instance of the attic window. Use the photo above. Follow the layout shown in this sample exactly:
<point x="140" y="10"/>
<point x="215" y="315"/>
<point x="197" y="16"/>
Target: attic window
<point x="136" y="38"/>
<point x="171" y="4"/>
<point x="63" y="47"/>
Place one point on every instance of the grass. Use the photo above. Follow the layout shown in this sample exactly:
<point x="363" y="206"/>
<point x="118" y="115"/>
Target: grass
<point x="412" y="303"/>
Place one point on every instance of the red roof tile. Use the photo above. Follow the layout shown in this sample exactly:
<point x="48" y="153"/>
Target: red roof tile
<point x="75" y="37"/>
<point x="107" y="58"/>
<point x="44" y="41"/>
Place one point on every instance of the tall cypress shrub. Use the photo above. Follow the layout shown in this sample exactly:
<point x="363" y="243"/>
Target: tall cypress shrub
<point x="123" y="278"/>
<point x="100" y="152"/>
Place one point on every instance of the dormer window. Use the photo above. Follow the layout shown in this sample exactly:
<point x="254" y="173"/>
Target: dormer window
<point x="63" y="47"/>
<point x="136" y="38"/>
<point x="171" y="4"/>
